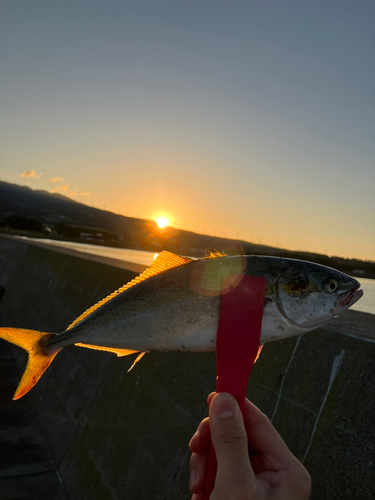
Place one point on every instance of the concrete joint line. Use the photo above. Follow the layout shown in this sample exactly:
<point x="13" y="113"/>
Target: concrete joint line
<point x="283" y="380"/>
<point x="358" y="337"/>
<point x="334" y="371"/>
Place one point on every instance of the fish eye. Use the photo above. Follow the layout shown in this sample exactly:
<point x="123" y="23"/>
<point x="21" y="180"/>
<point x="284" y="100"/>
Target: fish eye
<point x="331" y="286"/>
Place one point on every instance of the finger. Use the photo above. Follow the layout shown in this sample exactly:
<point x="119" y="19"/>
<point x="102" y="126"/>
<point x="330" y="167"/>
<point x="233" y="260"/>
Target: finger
<point x="229" y="439"/>
<point x="198" y="466"/>
<point x="210" y="397"/>
<point x="263" y="438"/>
<point x="200" y="442"/>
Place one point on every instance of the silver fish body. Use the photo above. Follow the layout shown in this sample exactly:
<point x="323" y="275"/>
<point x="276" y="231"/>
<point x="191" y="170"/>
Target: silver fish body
<point x="178" y="309"/>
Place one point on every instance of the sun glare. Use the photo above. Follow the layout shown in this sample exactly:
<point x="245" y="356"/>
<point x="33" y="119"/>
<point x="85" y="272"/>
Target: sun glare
<point x="162" y="222"/>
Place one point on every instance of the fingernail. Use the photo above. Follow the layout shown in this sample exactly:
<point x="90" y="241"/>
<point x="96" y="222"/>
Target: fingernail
<point x="193" y="478"/>
<point x="223" y="406"/>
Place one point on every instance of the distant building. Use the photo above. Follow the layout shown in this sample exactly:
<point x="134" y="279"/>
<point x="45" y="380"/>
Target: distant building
<point x="86" y="236"/>
<point x="361" y="272"/>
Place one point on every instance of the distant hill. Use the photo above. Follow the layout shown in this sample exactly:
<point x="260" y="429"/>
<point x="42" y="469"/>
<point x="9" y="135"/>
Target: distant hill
<point x="56" y="211"/>
<point x="53" y="208"/>
<point x="67" y="219"/>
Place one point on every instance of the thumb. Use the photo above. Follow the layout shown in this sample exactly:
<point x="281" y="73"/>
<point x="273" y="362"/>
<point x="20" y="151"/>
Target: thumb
<point x="230" y="441"/>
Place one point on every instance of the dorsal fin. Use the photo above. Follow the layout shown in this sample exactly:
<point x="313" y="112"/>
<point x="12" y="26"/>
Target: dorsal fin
<point x="214" y="254"/>
<point x="164" y="261"/>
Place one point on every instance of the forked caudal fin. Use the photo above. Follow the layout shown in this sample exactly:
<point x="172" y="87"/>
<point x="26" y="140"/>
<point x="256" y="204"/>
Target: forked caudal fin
<point x="37" y="363"/>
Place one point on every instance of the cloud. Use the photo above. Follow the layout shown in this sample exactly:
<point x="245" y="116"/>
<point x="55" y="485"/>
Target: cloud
<point x="30" y="173"/>
<point x="60" y="189"/>
<point x="56" y="179"/>
<point x="65" y="190"/>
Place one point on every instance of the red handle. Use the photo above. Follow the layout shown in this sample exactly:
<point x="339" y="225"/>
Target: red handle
<point x="237" y="344"/>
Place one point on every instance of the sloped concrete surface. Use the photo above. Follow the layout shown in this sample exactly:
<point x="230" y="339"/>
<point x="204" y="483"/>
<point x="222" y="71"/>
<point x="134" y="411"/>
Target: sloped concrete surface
<point x="27" y="468"/>
<point x="90" y="430"/>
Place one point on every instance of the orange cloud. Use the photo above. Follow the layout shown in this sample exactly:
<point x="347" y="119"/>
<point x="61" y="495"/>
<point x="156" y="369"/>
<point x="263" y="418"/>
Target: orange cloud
<point x="30" y="173"/>
<point x="65" y="189"/>
<point x="60" y="189"/>
<point x="56" y="179"/>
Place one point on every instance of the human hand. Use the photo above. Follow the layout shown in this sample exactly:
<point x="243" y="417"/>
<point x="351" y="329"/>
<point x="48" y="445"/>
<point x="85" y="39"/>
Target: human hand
<point x="253" y="462"/>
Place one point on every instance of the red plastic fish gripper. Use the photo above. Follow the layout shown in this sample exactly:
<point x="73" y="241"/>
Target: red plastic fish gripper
<point x="237" y="344"/>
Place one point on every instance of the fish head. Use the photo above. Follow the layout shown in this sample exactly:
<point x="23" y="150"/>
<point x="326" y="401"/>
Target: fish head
<point x="309" y="294"/>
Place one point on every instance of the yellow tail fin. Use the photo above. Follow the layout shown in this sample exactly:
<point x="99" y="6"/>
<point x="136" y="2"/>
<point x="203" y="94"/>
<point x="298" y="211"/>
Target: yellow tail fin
<point x="37" y="363"/>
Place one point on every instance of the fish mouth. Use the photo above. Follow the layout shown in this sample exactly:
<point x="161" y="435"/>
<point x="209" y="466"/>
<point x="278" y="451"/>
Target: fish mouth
<point x="347" y="299"/>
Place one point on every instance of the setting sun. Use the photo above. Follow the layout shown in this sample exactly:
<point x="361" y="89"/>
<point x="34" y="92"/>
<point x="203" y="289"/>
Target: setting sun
<point x="162" y="222"/>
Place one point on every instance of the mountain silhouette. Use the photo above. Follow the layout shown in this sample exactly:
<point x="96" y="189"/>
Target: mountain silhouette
<point x="59" y="212"/>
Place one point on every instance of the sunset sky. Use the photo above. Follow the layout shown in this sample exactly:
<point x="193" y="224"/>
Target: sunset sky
<point x="244" y="119"/>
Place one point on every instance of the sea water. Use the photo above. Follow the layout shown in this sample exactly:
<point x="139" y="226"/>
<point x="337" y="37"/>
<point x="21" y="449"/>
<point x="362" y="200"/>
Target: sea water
<point x="126" y="254"/>
<point x="367" y="302"/>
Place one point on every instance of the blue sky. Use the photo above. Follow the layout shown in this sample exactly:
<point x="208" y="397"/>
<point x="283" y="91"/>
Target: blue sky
<point x="248" y="119"/>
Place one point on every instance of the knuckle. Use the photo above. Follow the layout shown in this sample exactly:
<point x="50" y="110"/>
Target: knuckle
<point x="306" y="484"/>
<point x="234" y="492"/>
<point x="300" y="482"/>
<point x="231" y="436"/>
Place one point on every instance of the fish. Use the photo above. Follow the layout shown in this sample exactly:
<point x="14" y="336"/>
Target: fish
<point x="174" y="305"/>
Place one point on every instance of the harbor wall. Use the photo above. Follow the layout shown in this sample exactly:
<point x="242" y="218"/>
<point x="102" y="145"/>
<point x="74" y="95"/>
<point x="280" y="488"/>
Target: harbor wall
<point x="90" y="430"/>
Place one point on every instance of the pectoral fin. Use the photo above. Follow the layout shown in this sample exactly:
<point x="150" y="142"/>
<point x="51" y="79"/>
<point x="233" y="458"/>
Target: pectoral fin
<point x="140" y="356"/>
<point x="258" y="353"/>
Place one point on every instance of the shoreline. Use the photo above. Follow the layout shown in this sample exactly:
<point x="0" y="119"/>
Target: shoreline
<point x="257" y="250"/>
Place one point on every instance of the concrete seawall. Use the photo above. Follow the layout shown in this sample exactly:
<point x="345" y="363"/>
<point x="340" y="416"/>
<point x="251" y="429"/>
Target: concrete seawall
<point x="90" y="430"/>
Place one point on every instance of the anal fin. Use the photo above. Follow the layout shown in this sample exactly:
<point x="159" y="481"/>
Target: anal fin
<point x="118" y="352"/>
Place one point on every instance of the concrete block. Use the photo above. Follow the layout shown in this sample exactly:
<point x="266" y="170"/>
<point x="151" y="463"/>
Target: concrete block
<point x="44" y="486"/>
<point x="342" y="466"/>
